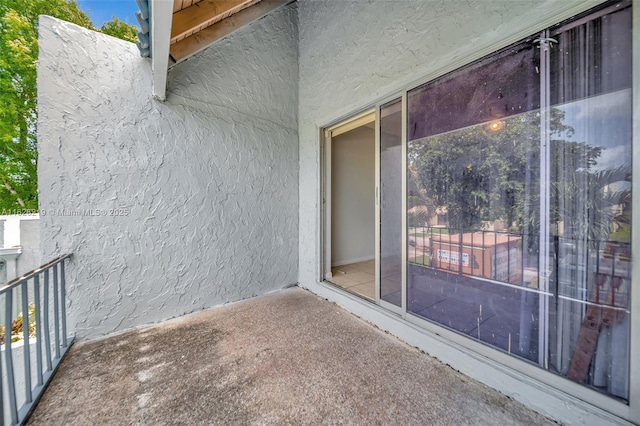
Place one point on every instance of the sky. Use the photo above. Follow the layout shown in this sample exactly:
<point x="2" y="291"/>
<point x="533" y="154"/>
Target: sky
<point x="101" y="11"/>
<point x="605" y="121"/>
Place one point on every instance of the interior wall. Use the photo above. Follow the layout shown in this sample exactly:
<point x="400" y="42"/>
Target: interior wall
<point x="353" y="196"/>
<point x="184" y="204"/>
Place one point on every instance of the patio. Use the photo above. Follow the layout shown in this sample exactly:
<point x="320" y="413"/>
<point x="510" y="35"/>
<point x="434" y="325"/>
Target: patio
<point x="288" y="357"/>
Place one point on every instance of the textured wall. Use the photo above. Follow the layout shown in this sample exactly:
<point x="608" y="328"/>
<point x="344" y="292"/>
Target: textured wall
<point x="204" y="186"/>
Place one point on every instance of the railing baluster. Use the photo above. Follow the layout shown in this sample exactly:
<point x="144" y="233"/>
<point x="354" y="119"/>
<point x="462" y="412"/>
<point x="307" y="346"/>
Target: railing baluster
<point x="423" y="246"/>
<point x="10" y="372"/>
<point x="471" y="254"/>
<point x="509" y="256"/>
<point x="522" y="254"/>
<point x="45" y="302"/>
<point x="39" y="328"/>
<point x="597" y="257"/>
<point x="56" y="321"/>
<point x="484" y="249"/>
<point x="460" y="252"/>
<point x="25" y="338"/>
<point x="63" y="292"/>
<point x="8" y="360"/>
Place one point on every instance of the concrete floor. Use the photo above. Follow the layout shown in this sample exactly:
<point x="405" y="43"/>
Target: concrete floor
<point x="286" y="358"/>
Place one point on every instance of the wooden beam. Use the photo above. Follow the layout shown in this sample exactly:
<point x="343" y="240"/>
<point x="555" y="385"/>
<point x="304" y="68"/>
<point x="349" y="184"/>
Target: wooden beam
<point x="199" y="41"/>
<point x="203" y="14"/>
<point x="161" y="13"/>
<point x="178" y="5"/>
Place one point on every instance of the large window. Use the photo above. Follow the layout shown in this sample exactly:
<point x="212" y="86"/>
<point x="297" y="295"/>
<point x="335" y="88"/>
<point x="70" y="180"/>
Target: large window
<point x="519" y="199"/>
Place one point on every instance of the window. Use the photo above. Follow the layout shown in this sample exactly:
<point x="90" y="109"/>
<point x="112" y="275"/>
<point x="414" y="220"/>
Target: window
<point x="519" y="199"/>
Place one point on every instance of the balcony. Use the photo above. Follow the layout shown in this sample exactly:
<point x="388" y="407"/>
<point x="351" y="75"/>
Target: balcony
<point x="287" y="357"/>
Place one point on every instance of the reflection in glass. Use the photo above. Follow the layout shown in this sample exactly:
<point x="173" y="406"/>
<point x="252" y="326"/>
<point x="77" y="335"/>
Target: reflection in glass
<point x="591" y="201"/>
<point x="591" y="211"/>
<point x="391" y="202"/>
<point x="479" y="185"/>
<point x="478" y="173"/>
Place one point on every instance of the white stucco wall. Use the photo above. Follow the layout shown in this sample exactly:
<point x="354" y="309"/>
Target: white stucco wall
<point x="205" y="184"/>
<point x="353" y="54"/>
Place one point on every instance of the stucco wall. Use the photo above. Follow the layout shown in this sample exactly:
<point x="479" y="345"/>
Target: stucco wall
<point x="197" y="196"/>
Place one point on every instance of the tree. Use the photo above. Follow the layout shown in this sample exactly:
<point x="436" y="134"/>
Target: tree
<point x="478" y="175"/>
<point x="18" y="185"/>
<point x="121" y="30"/>
<point x="18" y="115"/>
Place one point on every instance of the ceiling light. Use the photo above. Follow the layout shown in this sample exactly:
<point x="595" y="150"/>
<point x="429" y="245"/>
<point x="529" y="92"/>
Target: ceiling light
<point x="495" y="125"/>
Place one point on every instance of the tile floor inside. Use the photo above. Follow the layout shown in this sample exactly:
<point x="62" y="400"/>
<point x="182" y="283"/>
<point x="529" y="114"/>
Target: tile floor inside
<point x="357" y="278"/>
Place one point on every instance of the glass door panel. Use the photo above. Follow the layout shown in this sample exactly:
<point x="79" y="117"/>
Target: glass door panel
<point x="473" y="165"/>
<point x="391" y="202"/>
<point x="519" y="199"/>
<point x="590" y="199"/>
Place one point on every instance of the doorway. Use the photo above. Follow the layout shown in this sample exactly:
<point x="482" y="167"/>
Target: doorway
<point x="351" y="200"/>
<point x="363" y="205"/>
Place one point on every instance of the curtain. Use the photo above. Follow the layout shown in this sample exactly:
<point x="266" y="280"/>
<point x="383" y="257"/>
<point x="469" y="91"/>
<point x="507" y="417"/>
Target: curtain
<point x="590" y="91"/>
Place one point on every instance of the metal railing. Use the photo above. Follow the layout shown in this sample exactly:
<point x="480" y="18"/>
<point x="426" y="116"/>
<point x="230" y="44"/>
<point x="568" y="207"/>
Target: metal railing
<point x="495" y="255"/>
<point x="43" y="324"/>
<point x="513" y="258"/>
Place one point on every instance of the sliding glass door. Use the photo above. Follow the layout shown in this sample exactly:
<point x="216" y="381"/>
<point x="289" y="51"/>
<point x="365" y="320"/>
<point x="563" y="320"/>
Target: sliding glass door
<point x="390" y="193"/>
<point x="474" y="170"/>
<point x="518" y="199"/>
<point x="590" y="199"/>
<point x="502" y="199"/>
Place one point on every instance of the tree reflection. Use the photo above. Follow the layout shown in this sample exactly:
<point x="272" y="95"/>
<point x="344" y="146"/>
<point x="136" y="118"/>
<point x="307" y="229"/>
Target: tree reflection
<point x="478" y="175"/>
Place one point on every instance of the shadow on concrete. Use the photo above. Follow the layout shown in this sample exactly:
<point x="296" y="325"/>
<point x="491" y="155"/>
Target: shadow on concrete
<point x="289" y="357"/>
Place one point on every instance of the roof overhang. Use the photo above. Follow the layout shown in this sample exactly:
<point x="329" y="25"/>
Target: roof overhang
<point x="178" y="29"/>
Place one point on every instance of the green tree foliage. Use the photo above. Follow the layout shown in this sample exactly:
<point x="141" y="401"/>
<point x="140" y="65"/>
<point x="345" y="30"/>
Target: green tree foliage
<point x="477" y="175"/>
<point x="18" y="57"/>
<point x="17" y="327"/>
<point x="121" y="30"/>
